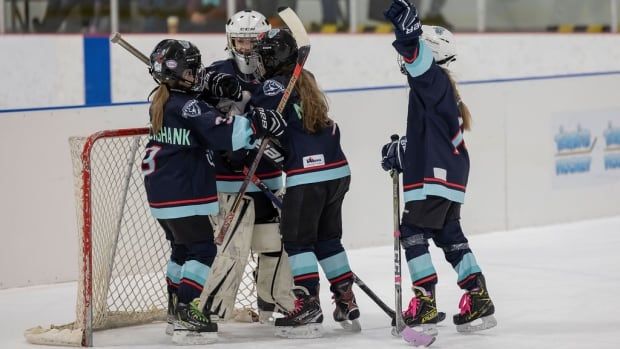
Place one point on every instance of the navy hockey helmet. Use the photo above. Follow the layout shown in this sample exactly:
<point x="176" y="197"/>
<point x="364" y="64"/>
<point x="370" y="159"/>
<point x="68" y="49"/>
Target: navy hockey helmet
<point x="278" y="52"/>
<point x="170" y="60"/>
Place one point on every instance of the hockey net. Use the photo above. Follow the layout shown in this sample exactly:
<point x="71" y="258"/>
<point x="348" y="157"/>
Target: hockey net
<point x="122" y="249"/>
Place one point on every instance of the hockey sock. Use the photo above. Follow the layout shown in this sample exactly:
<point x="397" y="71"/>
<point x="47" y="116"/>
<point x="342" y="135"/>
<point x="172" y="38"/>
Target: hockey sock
<point x="305" y="270"/>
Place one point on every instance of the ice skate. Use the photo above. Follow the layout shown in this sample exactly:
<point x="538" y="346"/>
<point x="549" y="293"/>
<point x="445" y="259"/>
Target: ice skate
<point x="421" y="314"/>
<point x="347" y="312"/>
<point x="476" y="309"/>
<point x="305" y="320"/>
<point x="265" y="312"/>
<point x="192" y="326"/>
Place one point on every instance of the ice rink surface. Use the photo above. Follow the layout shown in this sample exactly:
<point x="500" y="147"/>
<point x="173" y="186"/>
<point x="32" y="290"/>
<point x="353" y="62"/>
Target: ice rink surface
<point x="553" y="287"/>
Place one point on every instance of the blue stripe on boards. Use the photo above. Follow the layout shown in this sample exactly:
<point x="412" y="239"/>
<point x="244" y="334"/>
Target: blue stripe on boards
<point x="97" y="76"/>
<point x="343" y="90"/>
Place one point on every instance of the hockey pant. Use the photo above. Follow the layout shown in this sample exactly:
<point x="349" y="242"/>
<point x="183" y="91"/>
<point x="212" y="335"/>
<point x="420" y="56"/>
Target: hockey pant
<point x="274" y="280"/>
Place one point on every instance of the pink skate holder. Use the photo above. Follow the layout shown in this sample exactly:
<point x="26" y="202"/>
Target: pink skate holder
<point x="416" y="338"/>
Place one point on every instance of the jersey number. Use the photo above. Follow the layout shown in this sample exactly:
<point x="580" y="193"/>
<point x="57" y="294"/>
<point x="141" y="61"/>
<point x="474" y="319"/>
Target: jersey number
<point x="148" y="163"/>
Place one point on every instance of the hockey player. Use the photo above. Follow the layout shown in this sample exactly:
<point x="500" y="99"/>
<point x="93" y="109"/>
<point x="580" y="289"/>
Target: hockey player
<point x="435" y="164"/>
<point x="259" y="227"/>
<point x="317" y="178"/>
<point x="180" y="179"/>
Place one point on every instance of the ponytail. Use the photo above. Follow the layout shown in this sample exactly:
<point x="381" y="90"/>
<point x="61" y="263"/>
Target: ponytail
<point x="463" y="109"/>
<point x="160" y="97"/>
<point x="313" y="103"/>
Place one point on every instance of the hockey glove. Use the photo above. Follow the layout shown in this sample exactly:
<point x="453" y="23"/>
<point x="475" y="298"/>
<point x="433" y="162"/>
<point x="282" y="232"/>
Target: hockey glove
<point x="267" y="122"/>
<point x="392" y="155"/>
<point x="407" y="27"/>
<point x="220" y="85"/>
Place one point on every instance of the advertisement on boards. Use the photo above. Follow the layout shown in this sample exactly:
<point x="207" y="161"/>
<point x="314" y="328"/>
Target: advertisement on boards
<point x="586" y="148"/>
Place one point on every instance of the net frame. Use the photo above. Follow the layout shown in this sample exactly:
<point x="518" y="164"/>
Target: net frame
<point x="94" y="309"/>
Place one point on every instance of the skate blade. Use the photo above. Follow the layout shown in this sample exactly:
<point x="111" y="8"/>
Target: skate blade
<point x="305" y="331"/>
<point x="484" y="323"/>
<point x="416" y="338"/>
<point x="351" y="325"/>
<point x="184" y="337"/>
<point x="266" y="318"/>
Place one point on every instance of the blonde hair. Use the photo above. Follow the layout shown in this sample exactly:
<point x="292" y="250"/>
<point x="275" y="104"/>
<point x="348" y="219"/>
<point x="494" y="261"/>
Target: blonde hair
<point x="313" y="103"/>
<point x="156" y="110"/>
<point x="463" y="109"/>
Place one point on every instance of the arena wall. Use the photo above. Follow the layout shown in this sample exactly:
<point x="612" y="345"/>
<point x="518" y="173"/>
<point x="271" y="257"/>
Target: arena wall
<point x="530" y="95"/>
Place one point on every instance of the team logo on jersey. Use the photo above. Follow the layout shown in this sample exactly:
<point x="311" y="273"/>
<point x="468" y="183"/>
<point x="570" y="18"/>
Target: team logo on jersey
<point x="272" y="88"/>
<point x="191" y="109"/>
<point x="314" y="160"/>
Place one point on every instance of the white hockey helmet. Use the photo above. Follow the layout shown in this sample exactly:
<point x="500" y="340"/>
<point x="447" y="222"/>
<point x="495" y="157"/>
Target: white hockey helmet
<point x="242" y="30"/>
<point x="441" y="41"/>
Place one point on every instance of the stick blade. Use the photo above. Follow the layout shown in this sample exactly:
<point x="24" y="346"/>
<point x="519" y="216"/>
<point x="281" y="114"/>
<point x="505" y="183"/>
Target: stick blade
<point x="295" y="25"/>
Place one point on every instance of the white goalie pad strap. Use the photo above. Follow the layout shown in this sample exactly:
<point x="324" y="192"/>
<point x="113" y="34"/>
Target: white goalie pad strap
<point x="266" y="238"/>
<point x="275" y="281"/>
<point x="229" y="265"/>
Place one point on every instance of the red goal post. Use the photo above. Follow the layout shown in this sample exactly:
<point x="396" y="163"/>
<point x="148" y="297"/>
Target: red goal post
<point x="122" y="249"/>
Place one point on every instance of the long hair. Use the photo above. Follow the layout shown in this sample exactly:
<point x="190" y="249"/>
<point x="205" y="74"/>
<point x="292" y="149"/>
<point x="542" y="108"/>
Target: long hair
<point x="160" y="97"/>
<point x="463" y="109"/>
<point x="313" y="103"/>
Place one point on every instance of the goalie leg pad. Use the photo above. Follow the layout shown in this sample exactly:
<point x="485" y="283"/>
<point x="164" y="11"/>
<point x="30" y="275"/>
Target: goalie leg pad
<point x="274" y="279"/>
<point x="229" y="265"/>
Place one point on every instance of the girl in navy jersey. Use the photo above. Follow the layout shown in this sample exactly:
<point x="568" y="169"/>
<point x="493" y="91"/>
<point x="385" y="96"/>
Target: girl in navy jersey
<point x="435" y="166"/>
<point x="179" y="176"/>
<point x="317" y="179"/>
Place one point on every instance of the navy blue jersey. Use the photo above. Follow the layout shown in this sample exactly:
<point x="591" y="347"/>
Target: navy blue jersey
<point x="436" y="160"/>
<point x="178" y="168"/>
<point x="229" y="166"/>
<point x="310" y="158"/>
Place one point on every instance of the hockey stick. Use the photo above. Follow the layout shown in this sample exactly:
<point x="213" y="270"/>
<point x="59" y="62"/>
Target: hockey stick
<point x="410" y="335"/>
<point x="361" y="284"/>
<point x="303" y="43"/>
<point x="116" y="38"/>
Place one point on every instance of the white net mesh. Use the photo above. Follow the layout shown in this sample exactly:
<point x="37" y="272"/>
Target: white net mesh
<point x="123" y="255"/>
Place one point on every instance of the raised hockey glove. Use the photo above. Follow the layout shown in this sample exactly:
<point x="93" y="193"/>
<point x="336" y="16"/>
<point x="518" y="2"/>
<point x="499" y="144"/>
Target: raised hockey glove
<point x="407" y="27"/>
<point x="392" y="155"/>
<point x="220" y="85"/>
<point x="267" y="122"/>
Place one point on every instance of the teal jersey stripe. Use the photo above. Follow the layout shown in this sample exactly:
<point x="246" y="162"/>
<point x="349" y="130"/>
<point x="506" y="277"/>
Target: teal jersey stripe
<point x="319" y="176"/>
<point x="414" y="195"/>
<point x="421" y="267"/>
<point x="440" y="190"/>
<point x="186" y="211"/>
<point x="467" y="266"/>
<point x="422" y="63"/>
<point x="435" y="190"/>
<point x="335" y="265"/>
